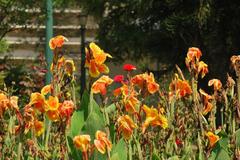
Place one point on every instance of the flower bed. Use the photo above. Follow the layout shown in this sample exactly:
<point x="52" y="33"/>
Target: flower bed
<point x="133" y="119"/>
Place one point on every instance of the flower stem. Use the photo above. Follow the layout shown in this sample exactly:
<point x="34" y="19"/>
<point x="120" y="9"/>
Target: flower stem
<point x="129" y="150"/>
<point x="48" y="134"/>
<point x="19" y="153"/>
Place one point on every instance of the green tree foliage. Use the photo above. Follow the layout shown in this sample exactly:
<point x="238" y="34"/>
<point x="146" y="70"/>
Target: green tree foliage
<point x="164" y="29"/>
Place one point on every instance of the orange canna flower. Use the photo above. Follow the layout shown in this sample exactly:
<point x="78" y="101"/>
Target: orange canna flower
<point x="29" y="118"/>
<point x="207" y="105"/>
<point x="82" y="142"/>
<point x="46" y="89"/>
<point x="194" y="53"/>
<point x="38" y="101"/>
<point x="130" y="102"/>
<point x="216" y="83"/>
<point x="53" y="115"/>
<point x="152" y="86"/>
<point x="235" y="59"/>
<point x="39" y="127"/>
<point x="4" y="103"/>
<point x="52" y="103"/>
<point x="146" y="80"/>
<point x="101" y="142"/>
<point x="153" y="118"/>
<point x="98" y="54"/>
<point x="13" y="102"/>
<point x="126" y="90"/>
<point x="95" y="58"/>
<point x="213" y="139"/>
<point x="180" y="87"/>
<point x="96" y="69"/>
<point x="193" y="64"/>
<point x="117" y="91"/>
<point x="57" y="42"/>
<point x="126" y="126"/>
<point x="202" y="68"/>
<point x="100" y="86"/>
<point x="66" y="109"/>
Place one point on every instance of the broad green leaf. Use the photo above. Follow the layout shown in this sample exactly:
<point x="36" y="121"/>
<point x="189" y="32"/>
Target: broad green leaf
<point x="84" y="104"/>
<point x="77" y="122"/>
<point x="95" y="120"/>
<point x="119" y="151"/>
<point x="111" y="108"/>
<point x="219" y="152"/>
<point x="237" y="135"/>
<point x="224" y="140"/>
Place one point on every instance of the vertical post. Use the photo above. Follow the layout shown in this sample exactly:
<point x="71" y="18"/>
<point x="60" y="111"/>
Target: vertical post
<point x="83" y="57"/>
<point x="49" y="34"/>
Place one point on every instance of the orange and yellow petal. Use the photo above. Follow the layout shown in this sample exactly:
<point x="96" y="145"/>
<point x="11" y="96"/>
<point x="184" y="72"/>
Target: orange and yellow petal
<point x="100" y="145"/>
<point x="216" y="83"/>
<point x="38" y="101"/>
<point x="57" y="42"/>
<point x="46" y="89"/>
<point x="103" y="68"/>
<point x="208" y="107"/>
<point x="52" y="103"/>
<point x="213" y="139"/>
<point x="126" y="126"/>
<point x="53" y="115"/>
<point x="82" y="142"/>
<point x="152" y="87"/>
<point x="93" y="69"/>
<point x="39" y="127"/>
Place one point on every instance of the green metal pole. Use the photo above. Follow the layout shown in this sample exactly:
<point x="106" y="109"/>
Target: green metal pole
<point x="49" y="35"/>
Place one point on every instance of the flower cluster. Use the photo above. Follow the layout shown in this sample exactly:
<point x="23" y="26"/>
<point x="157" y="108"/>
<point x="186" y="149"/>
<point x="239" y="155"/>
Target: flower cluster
<point x="102" y="143"/>
<point x="95" y="58"/>
<point x="194" y="64"/>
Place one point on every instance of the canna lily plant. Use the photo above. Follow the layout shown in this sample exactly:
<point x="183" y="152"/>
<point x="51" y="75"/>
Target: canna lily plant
<point x="124" y="117"/>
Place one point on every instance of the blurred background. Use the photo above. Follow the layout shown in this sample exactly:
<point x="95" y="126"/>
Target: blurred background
<point x="154" y="35"/>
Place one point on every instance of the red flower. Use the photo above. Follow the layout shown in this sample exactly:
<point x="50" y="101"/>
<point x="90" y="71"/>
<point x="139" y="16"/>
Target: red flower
<point x="118" y="78"/>
<point x="178" y="142"/>
<point x="129" y="67"/>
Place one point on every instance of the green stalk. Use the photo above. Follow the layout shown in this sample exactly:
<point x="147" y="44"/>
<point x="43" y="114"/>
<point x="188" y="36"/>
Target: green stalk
<point x="19" y="153"/>
<point x="198" y="111"/>
<point x="140" y="156"/>
<point x="200" y="156"/>
<point x="48" y="134"/>
<point x="73" y="94"/>
<point x="129" y="150"/>
<point x="196" y="104"/>
<point x="107" y="124"/>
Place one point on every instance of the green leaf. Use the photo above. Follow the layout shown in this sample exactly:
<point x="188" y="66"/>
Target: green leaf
<point x="220" y="151"/>
<point x="84" y="104"/>
<point x="77" y="122"/>
<point x="119" y="151"/>
<point x="155" y="156"/>
<point x="237" y="135"/>
<point x="111" y="108"/>
<point x="95" y="120"/>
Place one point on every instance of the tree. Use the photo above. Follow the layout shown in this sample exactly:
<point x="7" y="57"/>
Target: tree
<point x="164" y="29"/>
